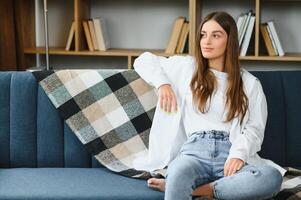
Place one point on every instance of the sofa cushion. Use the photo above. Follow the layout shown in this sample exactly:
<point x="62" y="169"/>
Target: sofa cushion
<point x="273" y="146"/>
<point x="71" y="183"/>
<point x="52" y="143"/>
<point x="292" y="94"/>
<point x="282" y="133"/>
<point x="32" y="132"/>
<point x="5" y="80"/>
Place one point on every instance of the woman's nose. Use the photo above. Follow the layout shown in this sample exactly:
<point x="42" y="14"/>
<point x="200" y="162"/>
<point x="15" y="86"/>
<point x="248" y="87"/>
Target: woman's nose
<point x="207" y="40"/>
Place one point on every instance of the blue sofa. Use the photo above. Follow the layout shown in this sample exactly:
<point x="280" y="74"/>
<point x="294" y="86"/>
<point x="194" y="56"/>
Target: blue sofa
<point x="40" y="158"/>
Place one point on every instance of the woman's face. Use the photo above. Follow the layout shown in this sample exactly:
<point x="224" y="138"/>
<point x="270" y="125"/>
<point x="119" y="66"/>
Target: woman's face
<point x="213" y="40"/>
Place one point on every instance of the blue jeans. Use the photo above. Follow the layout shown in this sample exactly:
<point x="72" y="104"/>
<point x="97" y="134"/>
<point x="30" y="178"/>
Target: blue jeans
<point x="201" y="160"/>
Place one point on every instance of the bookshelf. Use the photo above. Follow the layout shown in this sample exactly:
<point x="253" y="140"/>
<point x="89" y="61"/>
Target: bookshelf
<point x="110" y="52"/>
<point x="81" y="11"/>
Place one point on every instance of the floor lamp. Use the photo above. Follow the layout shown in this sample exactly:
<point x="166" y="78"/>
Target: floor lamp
<point x="46" y="34"/>
<point x="46" y="41"/>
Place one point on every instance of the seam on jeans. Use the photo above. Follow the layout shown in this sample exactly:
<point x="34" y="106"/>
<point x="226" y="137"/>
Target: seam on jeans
<point x="200" y="178"/>
<point x="215" y="193"/>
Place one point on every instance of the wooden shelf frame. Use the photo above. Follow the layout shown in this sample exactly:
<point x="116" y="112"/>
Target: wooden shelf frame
<point x="131" y="54"/>
<point x="109" y="52"/>
<point x="82" y="11"/>
<point x="160" y="52"/>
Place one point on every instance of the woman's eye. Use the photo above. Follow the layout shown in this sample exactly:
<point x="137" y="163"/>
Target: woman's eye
<point x="202" y="35"/>
<point x="216" y="36"/>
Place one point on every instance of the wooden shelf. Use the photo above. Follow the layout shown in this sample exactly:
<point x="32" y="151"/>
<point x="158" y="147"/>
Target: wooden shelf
<point x="282" y="1"/>
<point x="110" y="52"/>
<point x="287" y="57"/>
<point x="160" y="52"/>
<point x="129" y="53"/>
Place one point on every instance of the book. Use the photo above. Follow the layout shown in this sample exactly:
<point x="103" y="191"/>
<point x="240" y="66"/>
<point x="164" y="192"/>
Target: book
<point x="273" y="40"/>
<point x="88" y="36"/>
<point x="93" y="35"/>
<point x="244" y="27"/>
<point x="70" y="36"/>
<point x="247" y="38"/>
<point x="175" y="35"/>
<point x="101" y="33"/>
<point x="183" y="38"/>
<point x="275" y="35"/>
<point x="267" y="40"/>
<point x="240" y="22"/>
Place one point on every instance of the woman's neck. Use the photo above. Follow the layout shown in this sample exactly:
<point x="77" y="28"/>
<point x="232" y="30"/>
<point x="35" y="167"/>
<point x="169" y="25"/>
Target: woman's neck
<point x="217" y="64"/>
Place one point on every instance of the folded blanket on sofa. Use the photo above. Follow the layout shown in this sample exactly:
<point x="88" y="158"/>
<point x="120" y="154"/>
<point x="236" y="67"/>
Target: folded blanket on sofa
<point x="110" y="111"/>
<point x="291" y="186"/>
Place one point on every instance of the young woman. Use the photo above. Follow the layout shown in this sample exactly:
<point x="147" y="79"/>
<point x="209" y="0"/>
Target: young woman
<point x="223" y="111"/>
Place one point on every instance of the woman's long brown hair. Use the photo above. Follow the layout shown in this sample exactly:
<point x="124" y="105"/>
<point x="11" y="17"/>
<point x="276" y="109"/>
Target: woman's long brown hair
<point x="203" y="81"/>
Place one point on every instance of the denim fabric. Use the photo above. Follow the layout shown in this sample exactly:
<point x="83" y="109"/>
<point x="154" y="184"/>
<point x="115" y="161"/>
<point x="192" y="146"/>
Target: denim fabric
<point x="201" y="160"/>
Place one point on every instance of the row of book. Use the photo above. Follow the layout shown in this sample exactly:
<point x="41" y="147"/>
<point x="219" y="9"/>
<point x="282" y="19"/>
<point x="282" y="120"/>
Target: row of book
<point x="245" y="27"/>
<point x="95" y="32"/>
<point x="96" y="35"/>
<point x="178" y="41"/>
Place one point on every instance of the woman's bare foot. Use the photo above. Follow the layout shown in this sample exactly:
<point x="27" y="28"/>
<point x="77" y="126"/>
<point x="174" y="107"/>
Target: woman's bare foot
<point x="156" y="184"/>
<point x="204" y="190"/>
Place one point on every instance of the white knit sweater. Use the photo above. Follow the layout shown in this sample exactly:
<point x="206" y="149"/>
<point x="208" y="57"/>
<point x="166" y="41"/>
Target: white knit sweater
<point x="214" y="119"/>
<point x="167" y="133"/>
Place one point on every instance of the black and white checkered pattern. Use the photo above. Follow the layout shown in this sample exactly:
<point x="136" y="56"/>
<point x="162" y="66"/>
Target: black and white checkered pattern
<point x="110" y="111"/>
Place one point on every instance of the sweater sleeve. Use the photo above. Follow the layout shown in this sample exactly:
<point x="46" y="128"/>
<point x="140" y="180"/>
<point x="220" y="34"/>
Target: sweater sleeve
<point x="250" y="139"/>
<point x="159" y="70"/>
<point x="148" y="66"/>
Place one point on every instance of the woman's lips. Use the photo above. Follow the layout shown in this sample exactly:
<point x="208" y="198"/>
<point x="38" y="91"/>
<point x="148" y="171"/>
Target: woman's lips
<point x="207" y="49"/>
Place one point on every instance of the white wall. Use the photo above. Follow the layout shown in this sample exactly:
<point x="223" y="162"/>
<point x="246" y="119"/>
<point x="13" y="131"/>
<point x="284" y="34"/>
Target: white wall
<point x="147" y="24"/>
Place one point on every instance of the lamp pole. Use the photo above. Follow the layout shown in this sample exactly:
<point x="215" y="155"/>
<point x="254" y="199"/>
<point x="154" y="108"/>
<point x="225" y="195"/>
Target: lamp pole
<point x="32" y="69"/>
<point x="46" y="34"/>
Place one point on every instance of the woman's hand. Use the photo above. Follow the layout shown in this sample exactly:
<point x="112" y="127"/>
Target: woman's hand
<point x="232" y="166"/>
<point x="167" y="98"/>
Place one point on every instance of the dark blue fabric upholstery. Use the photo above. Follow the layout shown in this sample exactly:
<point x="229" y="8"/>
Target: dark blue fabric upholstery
<point x="292" y="93"/>
<point x="5" y="79"/>
<point x="274" y="145"/>
<point x="32" y="132"/>
<point x="72" y="184"/>
<point x="282" y="134"/>
<point x="50" y="140"/>
<point x="33" y="135"/>
<point x="23" y="117"/>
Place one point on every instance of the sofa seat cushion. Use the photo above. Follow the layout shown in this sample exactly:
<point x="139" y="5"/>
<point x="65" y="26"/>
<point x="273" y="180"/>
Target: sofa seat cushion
<point x="71" y="183"/>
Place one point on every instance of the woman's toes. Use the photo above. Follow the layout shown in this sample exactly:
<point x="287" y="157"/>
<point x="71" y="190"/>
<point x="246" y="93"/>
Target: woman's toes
<point x="156" y="184"/>
<point x="150" y="181"/>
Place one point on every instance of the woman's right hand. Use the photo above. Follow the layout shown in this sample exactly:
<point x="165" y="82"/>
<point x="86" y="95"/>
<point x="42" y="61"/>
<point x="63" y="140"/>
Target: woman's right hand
<point x="167" y="97"/>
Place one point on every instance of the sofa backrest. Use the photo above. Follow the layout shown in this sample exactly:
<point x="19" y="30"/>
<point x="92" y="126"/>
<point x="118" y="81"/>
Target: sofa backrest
<point x="32" y="134"/>
<point x="283" y="130"/>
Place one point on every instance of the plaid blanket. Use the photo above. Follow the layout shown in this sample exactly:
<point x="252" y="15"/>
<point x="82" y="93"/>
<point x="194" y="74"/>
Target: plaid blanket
<point x="110" y="111"/>
<point x="291" y="186"/>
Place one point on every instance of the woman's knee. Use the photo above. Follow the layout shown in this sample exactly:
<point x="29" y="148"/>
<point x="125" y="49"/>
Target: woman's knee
<point x="181" y="171"/>
<point x="254" y="182"/>
<point x="267" y="181"/>
<point x="273" y="177"/>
